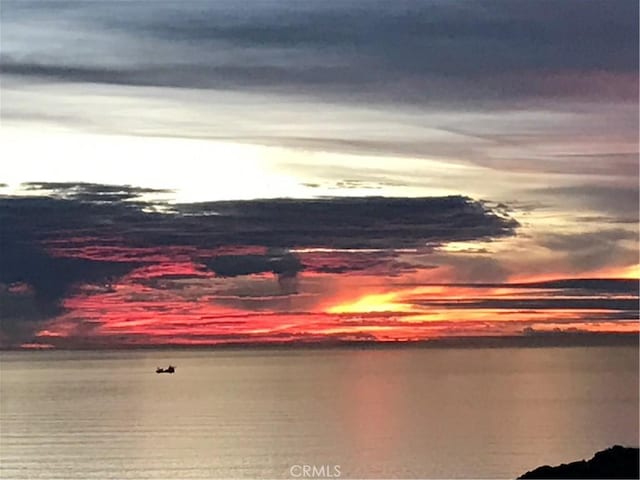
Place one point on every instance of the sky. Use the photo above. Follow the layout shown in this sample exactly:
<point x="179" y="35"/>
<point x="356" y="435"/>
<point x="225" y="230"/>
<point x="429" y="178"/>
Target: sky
<point x="206" y="173"/>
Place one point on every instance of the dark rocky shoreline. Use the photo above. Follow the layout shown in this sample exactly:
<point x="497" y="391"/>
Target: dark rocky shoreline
<point x="614" y="462"/>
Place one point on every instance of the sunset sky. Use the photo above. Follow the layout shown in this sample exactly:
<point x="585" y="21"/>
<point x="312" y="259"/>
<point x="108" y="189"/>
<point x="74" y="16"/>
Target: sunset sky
<point x="194" y="173"/>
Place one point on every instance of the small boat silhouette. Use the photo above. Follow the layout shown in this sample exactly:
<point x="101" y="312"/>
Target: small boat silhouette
<point x="169" y="369"/>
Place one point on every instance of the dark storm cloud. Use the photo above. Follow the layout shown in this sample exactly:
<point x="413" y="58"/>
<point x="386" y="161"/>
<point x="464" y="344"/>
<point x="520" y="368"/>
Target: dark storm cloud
<point x="70" y="211"/>
<point x="357" y="222"/>
<point x="27" y="223"/>
<point x="378" y="262"/>
<point x="389" y="51"/>
<point x="50" y="279"/>
<point x="283" y="265"/>
<point x="76" y="233"/>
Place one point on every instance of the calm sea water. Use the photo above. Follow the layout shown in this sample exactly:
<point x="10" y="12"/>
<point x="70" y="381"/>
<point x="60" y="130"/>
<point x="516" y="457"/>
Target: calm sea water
<point x="413" y="413"/>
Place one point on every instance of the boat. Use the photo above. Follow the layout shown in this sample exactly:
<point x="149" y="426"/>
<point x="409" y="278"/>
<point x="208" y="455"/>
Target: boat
<point x="169" y="369"/>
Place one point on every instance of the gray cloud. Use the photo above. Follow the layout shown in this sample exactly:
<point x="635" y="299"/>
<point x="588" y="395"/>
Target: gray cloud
<point x="628" y="306"/>
<point x="400" y="51"/>
<point x="284" y="265"/>
<point x="91" y="192"/>
<point x="617" y="200"/>
<point x="586" y="240"/>
<point x="592" y="250"/>
<point x="530" y="93"/>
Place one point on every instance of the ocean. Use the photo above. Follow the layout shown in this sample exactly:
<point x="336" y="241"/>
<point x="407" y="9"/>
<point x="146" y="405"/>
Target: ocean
<point x="323" y="413"/>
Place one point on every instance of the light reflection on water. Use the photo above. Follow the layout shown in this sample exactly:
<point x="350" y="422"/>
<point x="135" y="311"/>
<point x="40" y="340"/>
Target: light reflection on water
<point x="255" y="413"/>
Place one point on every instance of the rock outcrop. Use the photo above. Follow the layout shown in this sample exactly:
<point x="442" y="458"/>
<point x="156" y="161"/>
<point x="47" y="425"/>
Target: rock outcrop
<point x="614" y="462"/>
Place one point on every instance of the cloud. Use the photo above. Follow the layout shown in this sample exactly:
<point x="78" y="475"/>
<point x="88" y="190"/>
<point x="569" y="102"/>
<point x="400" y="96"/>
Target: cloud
<point x="627" y="306"/>
<point x="540" y="101"/>
<point x="283" y="265"/>
<point x="529" y="103"/>
<point x="49" y="281"/>
<point x="337" y="223"/>
<point x="28" y="224"/>
<point x="617" y="200"/>
<point x="592" y="250"/>
<point x="66" y="235"/>
<point x="402" y="52"/>
<point x="602" y="286"/>
<point x="355" y="222"/>
<point x="473" y="268"/>
<point x="90" y="192"/>
<point x="586" y="240"/>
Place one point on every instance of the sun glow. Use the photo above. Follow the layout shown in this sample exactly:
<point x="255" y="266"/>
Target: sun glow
<point x="373" y="303"/>
<point x="630" y="272"/>
<point x="247" y="176"/>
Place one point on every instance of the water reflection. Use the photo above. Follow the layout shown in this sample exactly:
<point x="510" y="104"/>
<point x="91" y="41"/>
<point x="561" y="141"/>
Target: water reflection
<point x="253" y="414"/>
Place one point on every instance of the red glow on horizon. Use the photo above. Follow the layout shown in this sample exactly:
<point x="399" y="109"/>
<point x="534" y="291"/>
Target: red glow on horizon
<point x="172" y="298"/>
